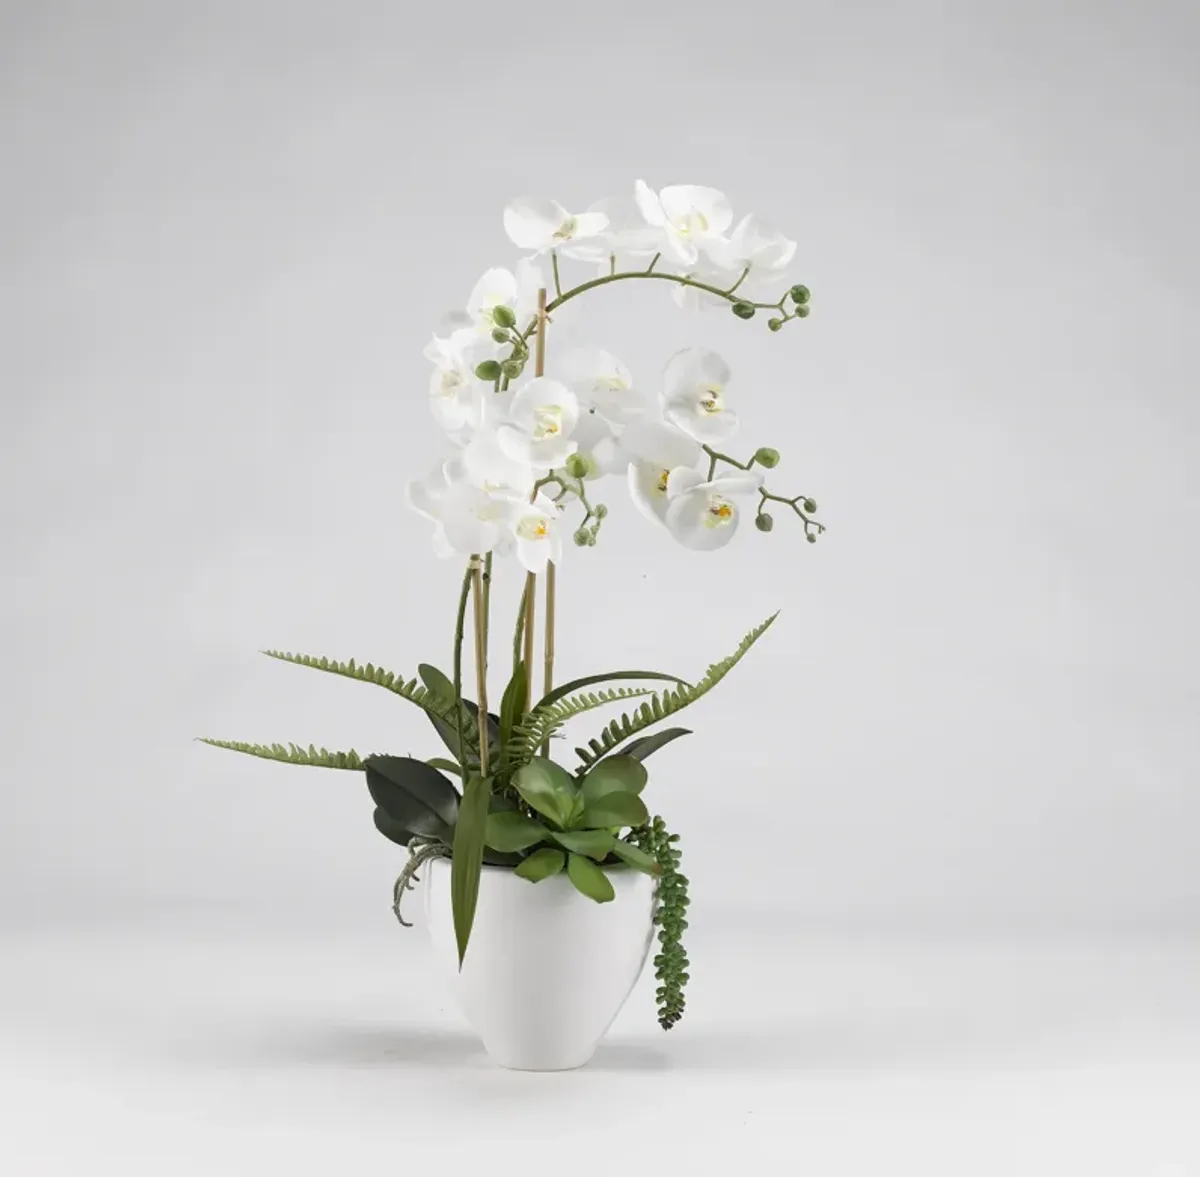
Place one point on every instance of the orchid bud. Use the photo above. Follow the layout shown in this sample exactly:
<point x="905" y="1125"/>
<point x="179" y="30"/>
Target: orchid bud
<point x="767" y="457"/>
<point x="579" y="465"/>
<point x="580" y="538"/>
<point x="499" y="334"/>
<point x="503" y="316"/>
<point x="512" y="368"/>
<point x="812" y="539"/>
<point x="774" y="324"/>
<point x="801" y="312"/>
<point x="743" y="310"/>
<point x="764" y="522"/>
<point x="488" y="370"/>
<point x="599" y="510"/>
<point x="810" y="505"/>
<point x="800" y="294"/>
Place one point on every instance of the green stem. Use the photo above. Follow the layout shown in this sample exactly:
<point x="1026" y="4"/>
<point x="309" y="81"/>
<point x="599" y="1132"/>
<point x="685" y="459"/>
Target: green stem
<point x="744" y="275"/>
<point x="680" y="279"/>
<point x="811" y="527"/>
<point x="554" y="266"/>
<point x="459" y="626"/>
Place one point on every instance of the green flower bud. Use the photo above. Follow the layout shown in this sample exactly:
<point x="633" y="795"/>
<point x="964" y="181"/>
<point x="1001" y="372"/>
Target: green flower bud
<point x="811" y="537"/>
<point x="801" y="312"/>
<point x="580" y="465"/>
<point x="591" y="539"/>
<point x="810" y="505"/>
<point x="800" y="295"/>
<point x="503" y="316"/>
<point x="743" y="310"/>
<point x="499" y="335"/>
<point x="774" y="324"/>
<point x="512" y="368"/>
<point x="599" y="510"/>
<point x="580" y="538"/>
<point x="488" y="370"/>
<point x="764" y="522"/>
<point x="767" y="457"/>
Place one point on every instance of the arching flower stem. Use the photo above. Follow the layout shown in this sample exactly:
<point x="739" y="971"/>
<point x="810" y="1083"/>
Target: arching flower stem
<point x="803" y="506"/>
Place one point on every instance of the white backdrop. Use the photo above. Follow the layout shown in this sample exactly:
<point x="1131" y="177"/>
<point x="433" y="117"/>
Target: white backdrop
<point x="226" y="231"/>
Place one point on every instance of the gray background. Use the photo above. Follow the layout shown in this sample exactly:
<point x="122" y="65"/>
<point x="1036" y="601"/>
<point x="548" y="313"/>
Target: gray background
<point x="226" y="231"/>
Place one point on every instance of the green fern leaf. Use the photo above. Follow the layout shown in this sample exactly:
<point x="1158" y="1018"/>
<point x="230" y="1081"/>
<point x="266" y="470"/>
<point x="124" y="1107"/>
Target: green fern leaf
<point x="292" y="754"/>
<point x="667" y="702"/>
<point x="542" y="722"/>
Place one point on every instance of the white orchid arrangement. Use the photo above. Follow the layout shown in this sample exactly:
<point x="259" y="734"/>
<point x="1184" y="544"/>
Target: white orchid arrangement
<point x="524" y="451"/>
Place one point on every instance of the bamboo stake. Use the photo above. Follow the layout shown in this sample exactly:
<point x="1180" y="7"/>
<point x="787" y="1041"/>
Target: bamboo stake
<point x="539" y="369"/>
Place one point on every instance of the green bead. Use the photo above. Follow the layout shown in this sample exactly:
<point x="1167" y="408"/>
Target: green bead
<point x="488" y="370"/>
<point x="503" y="316"/>
<point x="743" y="310"/>
<point x="764" y="522"/>
<point x="800" y="295"/>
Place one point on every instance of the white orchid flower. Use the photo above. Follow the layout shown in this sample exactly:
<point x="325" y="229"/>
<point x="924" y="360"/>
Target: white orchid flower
<point x="475" y="520"/>
<point x="542" y="415"/>
<point x="628" y="238"/>
<point x="691" y="217"/>
<point x="536" y="530"/>
<point x="545" y="226"/>
<point x="703" y="515"/>
<point x="602" y="382"/>
<point x="427" y="496"/>
<point x="500" y="287"/>
<point x="752" y="245"/>
<point x="654" y="449"/>
<point x="693" y="396"/>
<point x="487" y="466"/>
<point x="693" y="299"/>
<point x="452" y="383"/>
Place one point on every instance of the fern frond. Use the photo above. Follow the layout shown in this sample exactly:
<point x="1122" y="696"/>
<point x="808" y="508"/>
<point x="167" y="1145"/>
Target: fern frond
<point x="413" y="689"/>
<point x="292" y="753"/>
<point x="667" y="702"/>
<point x="542" y="722"/>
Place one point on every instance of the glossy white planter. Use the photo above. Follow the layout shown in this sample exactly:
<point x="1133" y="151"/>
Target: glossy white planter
<point x="547" y="970"/>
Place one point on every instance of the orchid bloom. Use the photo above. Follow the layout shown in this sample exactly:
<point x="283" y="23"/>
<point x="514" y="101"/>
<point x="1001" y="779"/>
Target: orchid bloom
<point x="627" y="240"/>
<point x="655" y="449"/>
<point x="703" y="515"/>
<point x="427" y="496"/>
<point x="693" y="396"/>
<point x="541" y="417"/>
<point x="536" y="530"/>
<point x="753" y="245"/>
<point x="691" y="217"/>
<point x="452" y="382"/>
<point x="604" y="389"/>
<point x="545" y="226"/>
<point x="500" y="287"/>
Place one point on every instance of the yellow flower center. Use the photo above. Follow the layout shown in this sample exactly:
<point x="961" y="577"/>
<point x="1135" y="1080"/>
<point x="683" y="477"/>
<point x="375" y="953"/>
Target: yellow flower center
<point x="533" y="527"/>
<point x="566" y="230"/>
<point x="720" y="512"/>
<point x="661" y="484"/>
<point x="693" y="222"/>
<point x="450" y="383"/>
<point x="712" y="399"/>
<point x="547" y="421"/>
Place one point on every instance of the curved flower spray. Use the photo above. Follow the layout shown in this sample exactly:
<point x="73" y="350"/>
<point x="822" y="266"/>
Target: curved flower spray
<point x="527" y="453"/>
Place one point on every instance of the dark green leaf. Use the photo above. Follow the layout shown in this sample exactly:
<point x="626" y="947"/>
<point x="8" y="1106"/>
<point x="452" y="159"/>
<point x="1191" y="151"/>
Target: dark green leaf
<point x="615" y="809"/>
<point x="467" y="863"/>
<point x="512" y="705"/>
<point x="644" y="746"/>
<point x="541" y="864"/>
<point x="448" y="730"/>
<point x="595" y="844"/>
<point x="549" y="789"/>
<point x="436" y="683"/>
<point x="445" y="765"/>
<point x="614" y="774"/>
<point x="637" y="857"/>
<point x="576" y="684"/>
<point x="513" y="831"/>
<point x="391" y="829"/>
<point x="589" y="879"/>
<point x="413" y="794"/>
